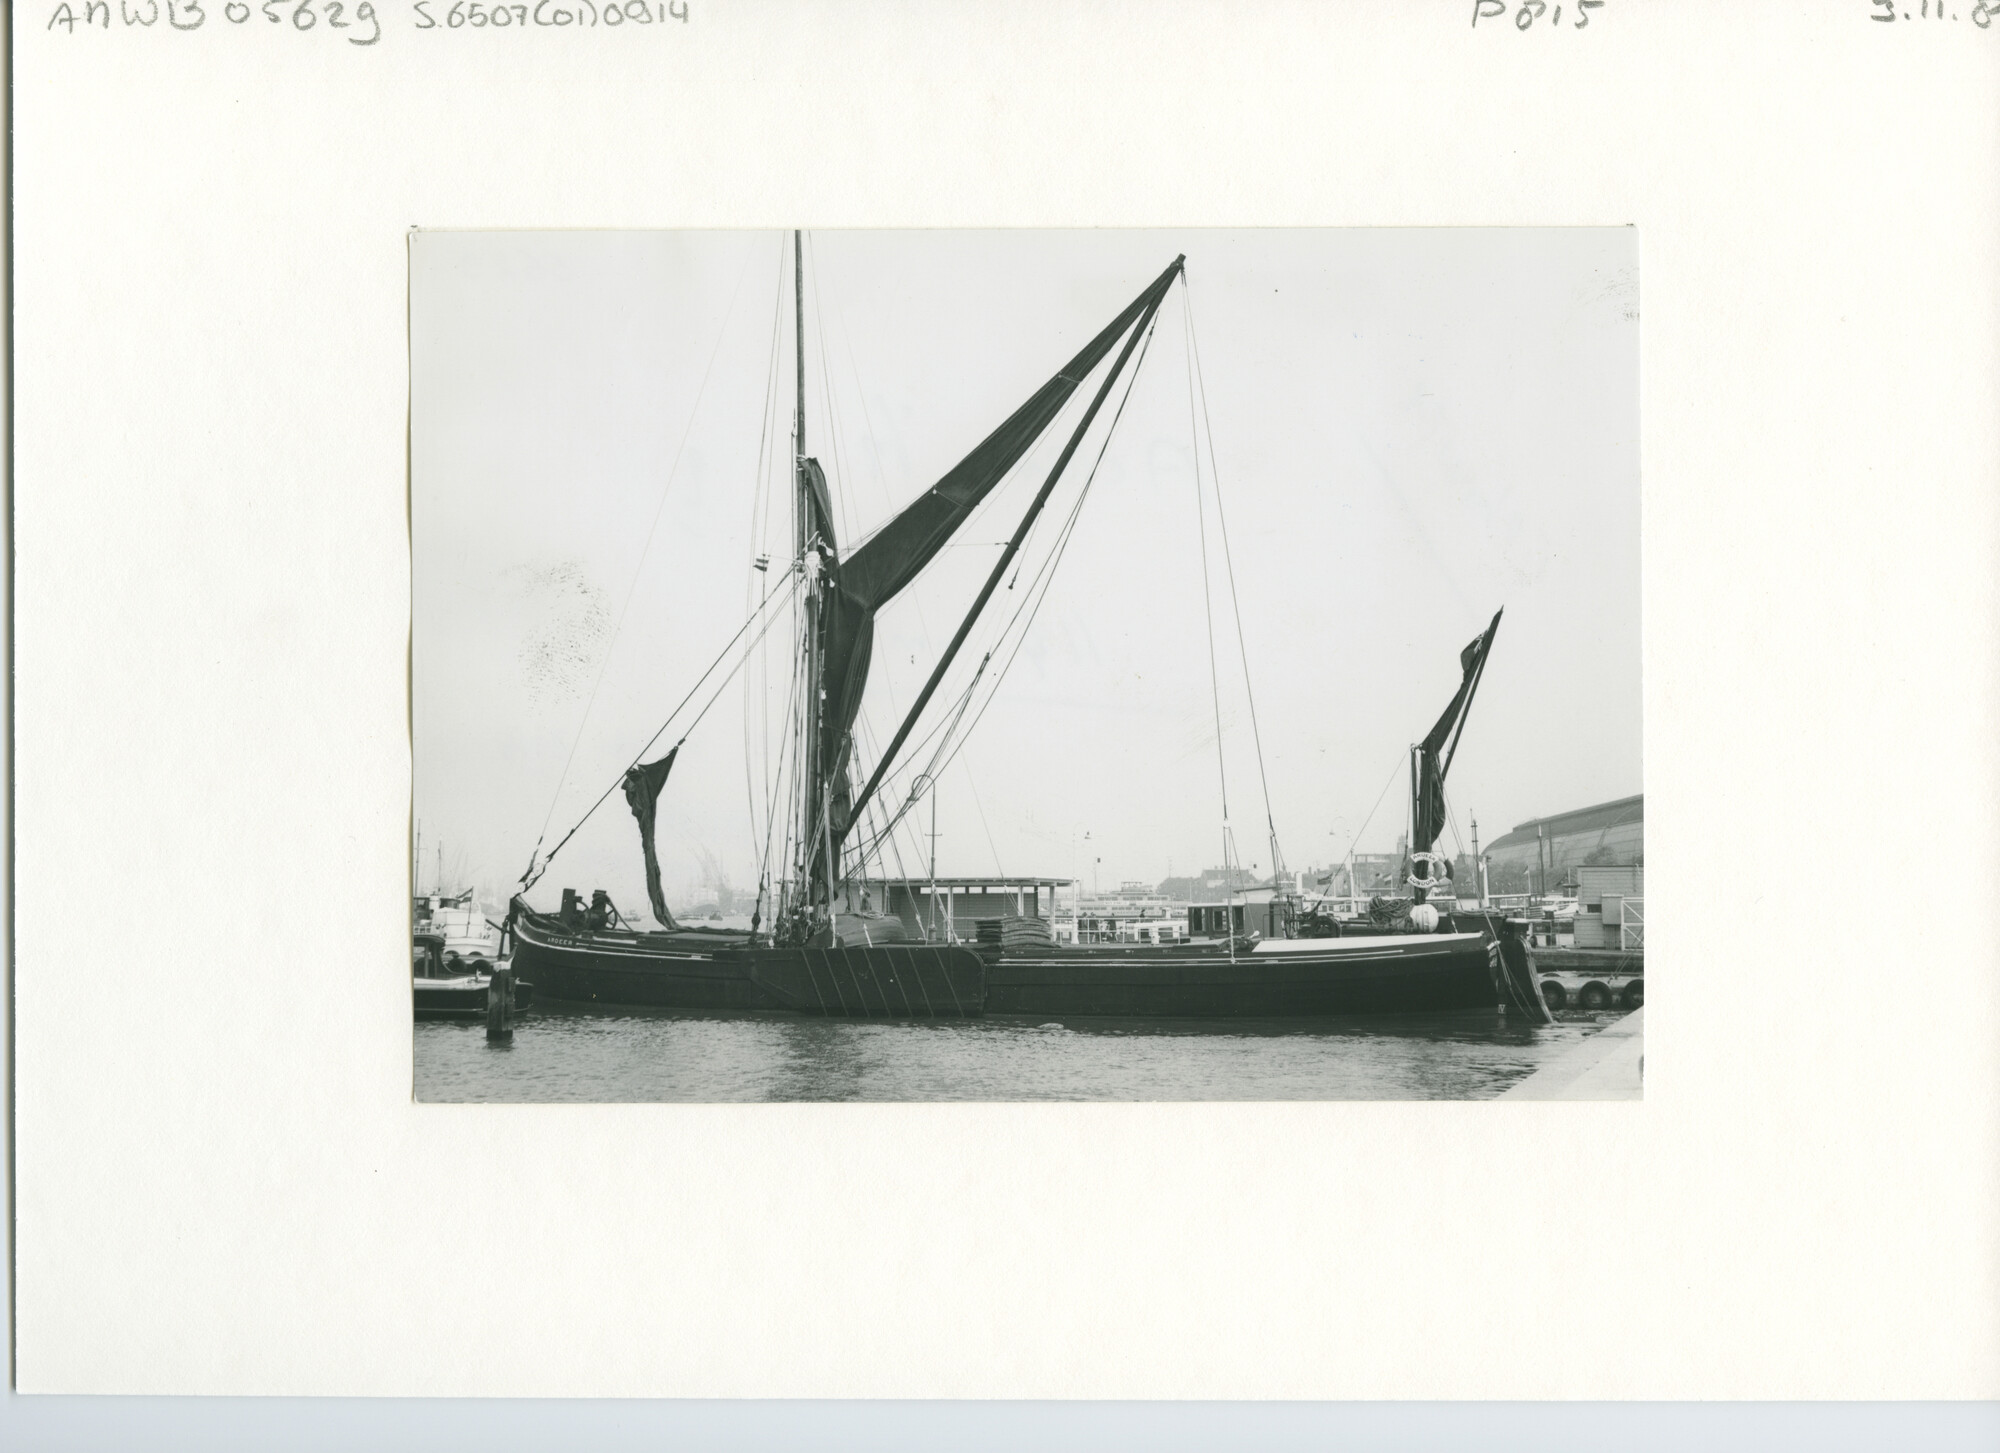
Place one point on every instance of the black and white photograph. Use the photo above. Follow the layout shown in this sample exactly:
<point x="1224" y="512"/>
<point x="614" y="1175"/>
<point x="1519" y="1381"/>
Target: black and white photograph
<point x="1000" y="667"/>
<point x="1094" y="665"/>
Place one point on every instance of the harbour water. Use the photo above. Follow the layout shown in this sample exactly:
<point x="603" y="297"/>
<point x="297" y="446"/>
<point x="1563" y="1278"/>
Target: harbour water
<point x="576" y="1056"/>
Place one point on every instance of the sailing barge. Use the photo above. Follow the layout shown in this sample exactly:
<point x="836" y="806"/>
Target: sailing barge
<point x="817" y="955"/>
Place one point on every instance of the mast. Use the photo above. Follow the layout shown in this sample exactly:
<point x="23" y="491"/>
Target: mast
<point x="1416" y="809"/>
<point x="1478" y="863"/>
<point x="814" y="819"/>
<point x="801" y="521"/>
<point x="799" y="340"/>
<point x="933" y="792"/>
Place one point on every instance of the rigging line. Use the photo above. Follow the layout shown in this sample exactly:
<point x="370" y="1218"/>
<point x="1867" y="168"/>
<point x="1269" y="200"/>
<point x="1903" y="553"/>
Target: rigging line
<point x="840" y="504"/>
<point x="861" y="396"/>
<point x="770" y="818"/>
<point x="951" y="720"/>
<point x="837" y="431"/>
<point x="874" y="751"/>
<point x="882" y="473"/>
<point x="879" y="833"/>
<point x="902" y="868"/>
<point x="876" y="832"/>
<point x="1144" y="326"/>
<point x="937" y="727"/>
<point x="1031" y="605"/>
<point x="716" y="695"/>
<point x="1044" y="577"/>
<point x="758" y="495"/>
<point x="1027" y="465"/>
<point x="916" y="835"/>
<point x="775" y="411"/>
<point x="1208" y="612"/>
<point x="991" y="845"/>
<point x="720" y="686"/>
<point x="1451" y="820"/>
<point x="638" y="567"/>
<point x="895" y="846"/>
<point x="935" y="766"/>
<point x="1393" y="773"/>
<point x="889" y="504"/>
<point x="1229" y="564"/>
<point x="1021" y="469"/>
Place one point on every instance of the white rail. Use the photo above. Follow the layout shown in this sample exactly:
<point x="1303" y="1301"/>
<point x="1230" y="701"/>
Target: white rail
<point x="1631" y="923"/>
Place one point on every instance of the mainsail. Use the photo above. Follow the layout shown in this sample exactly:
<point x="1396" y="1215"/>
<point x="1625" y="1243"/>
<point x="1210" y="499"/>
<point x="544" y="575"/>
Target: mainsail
<point x="853" y="590"/>
<point x="1435" y="752"/>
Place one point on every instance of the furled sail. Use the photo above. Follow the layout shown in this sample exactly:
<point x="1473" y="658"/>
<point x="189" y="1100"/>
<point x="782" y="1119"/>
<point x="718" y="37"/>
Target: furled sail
<point x="856" y="588"/>
<point x="1435" y="752"/>
<point x="642" y="793"/>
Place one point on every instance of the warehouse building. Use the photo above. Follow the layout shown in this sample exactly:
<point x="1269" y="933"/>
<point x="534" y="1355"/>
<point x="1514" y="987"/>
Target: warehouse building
<point x="1611" y="834"/>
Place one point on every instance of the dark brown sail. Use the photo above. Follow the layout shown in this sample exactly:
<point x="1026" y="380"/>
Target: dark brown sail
<point x="642" y="792"/>
<point x="857" y="587"/>
<point x="1435" y="752"/>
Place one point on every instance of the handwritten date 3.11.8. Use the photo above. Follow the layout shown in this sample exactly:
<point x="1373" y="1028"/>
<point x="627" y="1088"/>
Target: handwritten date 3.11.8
<point x="1982" y="13"/>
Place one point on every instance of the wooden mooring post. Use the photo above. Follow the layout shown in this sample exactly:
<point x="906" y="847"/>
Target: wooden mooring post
<point x="500" y="1006"/>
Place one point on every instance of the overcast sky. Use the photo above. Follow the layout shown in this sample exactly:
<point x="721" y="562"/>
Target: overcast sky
<point x="1411" y="428"/>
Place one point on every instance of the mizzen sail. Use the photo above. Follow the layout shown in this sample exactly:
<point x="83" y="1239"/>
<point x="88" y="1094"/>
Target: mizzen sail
<point x="1435" y="752"/>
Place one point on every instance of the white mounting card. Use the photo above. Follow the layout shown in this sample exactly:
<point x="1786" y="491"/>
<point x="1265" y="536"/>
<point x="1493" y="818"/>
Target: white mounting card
<point x="222" y="1182"/>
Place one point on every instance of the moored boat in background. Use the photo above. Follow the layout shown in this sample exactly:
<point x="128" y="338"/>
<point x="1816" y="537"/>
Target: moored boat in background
<point x="441" y="990"/>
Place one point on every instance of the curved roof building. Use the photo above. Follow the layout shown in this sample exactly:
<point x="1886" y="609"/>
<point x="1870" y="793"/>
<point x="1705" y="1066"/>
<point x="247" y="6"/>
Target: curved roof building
<point x="1610" y="833"/>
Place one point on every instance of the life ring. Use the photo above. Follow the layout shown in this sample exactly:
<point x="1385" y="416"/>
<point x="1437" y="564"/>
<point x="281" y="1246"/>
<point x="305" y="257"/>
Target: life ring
<point x="1439" y="866"/>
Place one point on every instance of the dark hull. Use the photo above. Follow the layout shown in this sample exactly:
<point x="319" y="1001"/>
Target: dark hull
<point x="644" y="971"/>
<point x="1414" y="972"/>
